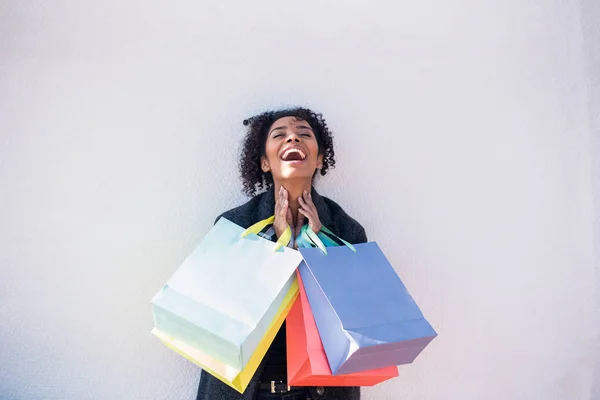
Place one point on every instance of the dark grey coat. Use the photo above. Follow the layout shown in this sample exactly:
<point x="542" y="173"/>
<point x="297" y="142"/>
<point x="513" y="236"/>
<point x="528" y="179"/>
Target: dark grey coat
<point x="258" y="208"/>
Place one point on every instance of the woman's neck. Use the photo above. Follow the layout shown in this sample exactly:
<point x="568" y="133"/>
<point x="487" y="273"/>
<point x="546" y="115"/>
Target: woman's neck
<point x="295" y="189"/>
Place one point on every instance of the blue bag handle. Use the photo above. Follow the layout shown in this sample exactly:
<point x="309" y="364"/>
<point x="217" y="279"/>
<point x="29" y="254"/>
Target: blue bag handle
<point x="308" y="238"/>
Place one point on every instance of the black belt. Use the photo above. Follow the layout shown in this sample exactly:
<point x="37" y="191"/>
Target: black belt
<point x="278" y="390"/>
<point x="274" y="387"/>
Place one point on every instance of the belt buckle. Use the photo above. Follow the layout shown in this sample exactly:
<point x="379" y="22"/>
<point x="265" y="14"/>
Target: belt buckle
<point x="279" y="387"/>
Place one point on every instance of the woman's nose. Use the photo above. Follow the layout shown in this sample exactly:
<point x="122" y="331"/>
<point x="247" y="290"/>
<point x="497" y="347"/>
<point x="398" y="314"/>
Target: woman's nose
<point x="293" y="137"/>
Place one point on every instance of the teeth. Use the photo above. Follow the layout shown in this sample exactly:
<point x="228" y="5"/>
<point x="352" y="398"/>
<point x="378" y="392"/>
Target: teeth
<point x="288" y="152"/>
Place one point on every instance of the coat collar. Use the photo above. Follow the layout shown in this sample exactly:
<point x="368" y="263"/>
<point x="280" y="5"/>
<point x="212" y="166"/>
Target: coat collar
<point x="266" y="206"/>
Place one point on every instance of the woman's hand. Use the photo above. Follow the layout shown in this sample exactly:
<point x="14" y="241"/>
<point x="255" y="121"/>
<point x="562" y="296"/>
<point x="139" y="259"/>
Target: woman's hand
<point x="307" y="209"/>
<point x="283" y="213"/>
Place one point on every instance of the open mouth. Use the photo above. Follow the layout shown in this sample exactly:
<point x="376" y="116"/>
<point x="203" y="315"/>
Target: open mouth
<point x="293" y="155"/>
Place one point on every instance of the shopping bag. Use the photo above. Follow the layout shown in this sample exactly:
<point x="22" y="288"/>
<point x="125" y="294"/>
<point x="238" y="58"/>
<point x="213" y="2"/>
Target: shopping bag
<point x="234" y="377"/>
<point x="306" y="360"/>
<point x="365" y="316"/>
<point x="225" y="295"/>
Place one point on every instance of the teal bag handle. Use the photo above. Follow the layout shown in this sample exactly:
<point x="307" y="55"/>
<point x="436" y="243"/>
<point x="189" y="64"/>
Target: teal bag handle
<point x="303" y="240"/>
<point x="327" y="241"/>
<point x="308" y="238"/>
<point x="324" y="232"/>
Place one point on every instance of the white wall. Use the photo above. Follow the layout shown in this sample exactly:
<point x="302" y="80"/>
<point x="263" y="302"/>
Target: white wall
<point x="590" y="24"/>
<point x="463" y="142"/>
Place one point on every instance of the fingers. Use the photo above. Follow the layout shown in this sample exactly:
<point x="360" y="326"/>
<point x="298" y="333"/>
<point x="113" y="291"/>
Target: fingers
<point x="307" y="208"/>
<point x="278" y="202"/>
<point x="285" y="211"/>
<point x="313" y="217"/>
<point x="306" y="211"/>
<point x="282" y="196"/>
<point x="308" y="199"/>
<point x="281" y="212"/>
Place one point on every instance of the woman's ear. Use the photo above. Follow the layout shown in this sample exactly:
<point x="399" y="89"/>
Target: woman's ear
<point x="264" y="164"/>
<point x="320" y="161"/>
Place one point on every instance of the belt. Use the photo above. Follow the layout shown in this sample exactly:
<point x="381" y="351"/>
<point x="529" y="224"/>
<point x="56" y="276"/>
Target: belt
<point x="278" y="390"/>
<point x="274" y="387"/>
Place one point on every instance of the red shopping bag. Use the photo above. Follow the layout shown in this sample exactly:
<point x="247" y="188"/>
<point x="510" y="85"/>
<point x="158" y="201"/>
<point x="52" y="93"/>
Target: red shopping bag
<point x="307" y="363"/>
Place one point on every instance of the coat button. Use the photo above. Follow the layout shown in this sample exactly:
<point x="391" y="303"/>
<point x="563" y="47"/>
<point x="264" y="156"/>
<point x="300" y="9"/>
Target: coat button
<point x="320" y="390"/>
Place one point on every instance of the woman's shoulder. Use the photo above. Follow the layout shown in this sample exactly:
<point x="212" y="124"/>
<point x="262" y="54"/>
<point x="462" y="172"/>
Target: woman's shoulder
<point x="343" y="224"/>
<point x="242" y="215"/>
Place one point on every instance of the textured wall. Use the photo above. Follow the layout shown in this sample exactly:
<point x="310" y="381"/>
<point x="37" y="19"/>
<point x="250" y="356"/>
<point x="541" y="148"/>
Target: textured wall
<point x="463" y="140"/>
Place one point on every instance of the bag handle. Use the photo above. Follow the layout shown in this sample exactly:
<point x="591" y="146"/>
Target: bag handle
<point x="307" y="238"/>
<point x="324" y="232"/>
<point x="283" y="241"/>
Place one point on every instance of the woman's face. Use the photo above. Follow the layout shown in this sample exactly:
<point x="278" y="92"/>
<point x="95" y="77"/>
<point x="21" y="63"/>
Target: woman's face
<point x="291" y="150"/>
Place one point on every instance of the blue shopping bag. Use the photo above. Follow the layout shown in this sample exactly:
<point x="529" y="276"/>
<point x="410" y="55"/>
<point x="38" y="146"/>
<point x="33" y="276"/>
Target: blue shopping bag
<point x="366" y="317"/>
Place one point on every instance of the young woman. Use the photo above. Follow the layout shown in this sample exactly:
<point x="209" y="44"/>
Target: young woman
<point x="283" y="151"/>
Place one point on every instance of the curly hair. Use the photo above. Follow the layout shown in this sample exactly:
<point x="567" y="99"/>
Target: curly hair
<point x="253" y="177"/>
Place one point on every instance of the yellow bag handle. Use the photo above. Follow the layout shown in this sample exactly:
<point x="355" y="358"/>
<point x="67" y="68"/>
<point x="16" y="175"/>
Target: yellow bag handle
<point x="260" y="225"/>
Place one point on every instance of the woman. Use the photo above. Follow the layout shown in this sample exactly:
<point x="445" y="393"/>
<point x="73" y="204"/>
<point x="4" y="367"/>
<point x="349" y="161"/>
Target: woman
<point x="282" y="153"/>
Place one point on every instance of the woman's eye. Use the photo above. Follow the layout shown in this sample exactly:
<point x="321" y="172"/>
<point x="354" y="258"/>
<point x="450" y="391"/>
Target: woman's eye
<point x="277" y="135"/>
